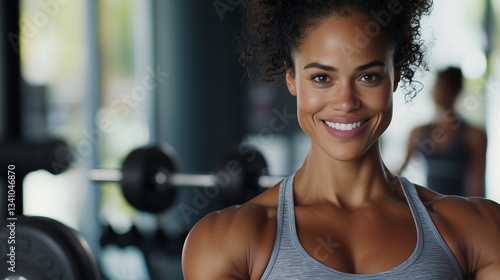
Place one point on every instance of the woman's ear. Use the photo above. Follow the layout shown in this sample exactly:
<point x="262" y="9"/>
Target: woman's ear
<point x="290" y="81"/>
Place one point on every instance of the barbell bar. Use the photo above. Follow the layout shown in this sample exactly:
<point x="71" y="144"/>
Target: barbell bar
<point x="150" y="179"/>
<point x="175" y="180"/>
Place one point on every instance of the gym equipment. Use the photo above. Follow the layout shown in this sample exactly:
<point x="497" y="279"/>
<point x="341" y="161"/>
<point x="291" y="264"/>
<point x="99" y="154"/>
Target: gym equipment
<point x="150" y="180"/>
<point x="238" y="175"/>
<point x="51" y="155"/>
<point x="42" y="248"/>
<point x="144" y="178"/>
<point x="27" y="156"/>
<point x="147" y="243"/>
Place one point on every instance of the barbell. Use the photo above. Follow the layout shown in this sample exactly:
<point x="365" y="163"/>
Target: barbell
<point x="150" y="180"/>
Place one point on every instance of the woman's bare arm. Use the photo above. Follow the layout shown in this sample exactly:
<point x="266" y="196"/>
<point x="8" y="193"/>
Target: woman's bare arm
<point x="476" y="226"/>
<point x="234" y="243"/>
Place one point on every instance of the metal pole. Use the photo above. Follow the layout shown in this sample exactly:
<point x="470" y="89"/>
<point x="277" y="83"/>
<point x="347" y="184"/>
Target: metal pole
<point x="10" y="91"/>
<point x="489" y="29"/>
<point x="92" y="230"/>
<point x="10" y="69"/>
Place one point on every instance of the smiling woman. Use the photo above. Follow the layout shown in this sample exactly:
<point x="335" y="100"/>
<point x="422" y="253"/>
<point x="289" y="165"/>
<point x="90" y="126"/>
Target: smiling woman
<point x="343" y="214"/>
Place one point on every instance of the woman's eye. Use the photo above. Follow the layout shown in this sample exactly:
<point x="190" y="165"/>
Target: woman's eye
<point x="369" y="78"/>
<point x="321" y="78"/>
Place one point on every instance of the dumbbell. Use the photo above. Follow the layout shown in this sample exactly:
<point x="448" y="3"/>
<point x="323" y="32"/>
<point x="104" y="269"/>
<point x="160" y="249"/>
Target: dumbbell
<point x="150" y="180"/>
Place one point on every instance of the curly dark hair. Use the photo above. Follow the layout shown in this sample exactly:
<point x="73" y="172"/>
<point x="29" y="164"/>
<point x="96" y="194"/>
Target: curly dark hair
<point x="275" y="28"/>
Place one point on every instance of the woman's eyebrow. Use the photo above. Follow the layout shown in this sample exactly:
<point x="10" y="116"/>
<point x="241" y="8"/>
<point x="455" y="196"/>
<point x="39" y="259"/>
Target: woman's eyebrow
<point x="333" y="69"/>
<point x="320" y="66"/>
<point x="370" y="65"/>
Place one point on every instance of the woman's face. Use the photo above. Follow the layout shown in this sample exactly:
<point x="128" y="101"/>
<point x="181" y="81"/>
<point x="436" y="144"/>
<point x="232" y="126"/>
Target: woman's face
<point x="344" y="78"/>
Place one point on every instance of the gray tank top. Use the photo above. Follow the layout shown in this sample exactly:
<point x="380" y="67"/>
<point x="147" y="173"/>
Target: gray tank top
<point x="431" y="259"/>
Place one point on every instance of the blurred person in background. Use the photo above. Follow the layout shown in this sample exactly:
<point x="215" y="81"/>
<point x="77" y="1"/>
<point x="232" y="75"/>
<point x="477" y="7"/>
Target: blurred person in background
<point x="454" y="151"/>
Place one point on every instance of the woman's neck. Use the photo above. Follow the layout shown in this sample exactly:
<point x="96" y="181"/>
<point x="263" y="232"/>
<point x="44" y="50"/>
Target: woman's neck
<point x="348" y="184"/>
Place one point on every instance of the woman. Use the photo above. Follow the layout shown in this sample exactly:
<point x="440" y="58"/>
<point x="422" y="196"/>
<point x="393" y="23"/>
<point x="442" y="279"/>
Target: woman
<point x="454" y="151"/>
<point x="343" y="215"/>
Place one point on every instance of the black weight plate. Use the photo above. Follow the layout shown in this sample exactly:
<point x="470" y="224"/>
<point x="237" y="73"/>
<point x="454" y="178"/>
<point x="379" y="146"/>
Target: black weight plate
<point x="138" y="183"/>
<point x="45" y="249"/>
<point x="238" y="172"/>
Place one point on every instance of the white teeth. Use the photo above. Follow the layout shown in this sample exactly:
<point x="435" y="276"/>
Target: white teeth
<point x="344" y="126"/>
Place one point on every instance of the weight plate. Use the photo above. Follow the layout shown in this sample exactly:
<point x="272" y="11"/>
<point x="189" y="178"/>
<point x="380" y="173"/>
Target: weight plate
<point x="238" y="172"/>
<point x="39" y="248"/>
<point x="144" y="182"/>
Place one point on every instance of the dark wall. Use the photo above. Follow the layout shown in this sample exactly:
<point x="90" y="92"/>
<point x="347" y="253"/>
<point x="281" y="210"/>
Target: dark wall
<point x="200" y="104"/>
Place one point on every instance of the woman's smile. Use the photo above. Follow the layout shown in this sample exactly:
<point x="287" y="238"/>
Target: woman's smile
<point x="346" y="129"/>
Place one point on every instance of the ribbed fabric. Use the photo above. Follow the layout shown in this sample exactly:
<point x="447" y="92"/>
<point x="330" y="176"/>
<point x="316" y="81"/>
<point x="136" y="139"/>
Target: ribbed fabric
<point x="431" y="259"/>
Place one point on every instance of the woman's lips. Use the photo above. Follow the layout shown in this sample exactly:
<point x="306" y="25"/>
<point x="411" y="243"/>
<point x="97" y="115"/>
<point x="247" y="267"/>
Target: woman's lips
<point x="346" y="128"/>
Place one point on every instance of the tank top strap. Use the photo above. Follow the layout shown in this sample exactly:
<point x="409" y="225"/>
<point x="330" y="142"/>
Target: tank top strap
<point x="417" y="209"/>
<point x="424" y="220"/>
<point x="285" y="191"/>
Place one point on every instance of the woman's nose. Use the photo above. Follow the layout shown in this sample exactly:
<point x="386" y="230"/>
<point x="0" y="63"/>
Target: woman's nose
<point x="344" y="98"/>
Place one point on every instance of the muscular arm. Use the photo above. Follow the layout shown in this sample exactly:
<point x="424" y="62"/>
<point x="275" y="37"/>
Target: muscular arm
<point x="211" y="250"/>
<point x="484" y="243"/>
<point x="234" y="243"/>
<point x="475" y="239"/>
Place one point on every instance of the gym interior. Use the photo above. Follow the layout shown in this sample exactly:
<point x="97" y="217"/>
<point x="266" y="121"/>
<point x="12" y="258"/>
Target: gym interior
<point x="124" y="122"/>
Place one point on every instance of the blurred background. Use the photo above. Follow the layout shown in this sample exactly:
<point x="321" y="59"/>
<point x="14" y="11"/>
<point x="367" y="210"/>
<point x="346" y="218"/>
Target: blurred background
<point x="109" y="76"/>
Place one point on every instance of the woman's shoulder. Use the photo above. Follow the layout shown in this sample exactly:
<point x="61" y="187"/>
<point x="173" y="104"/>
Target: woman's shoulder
<point x="475" y="208"/>
<point x="252" y="214"/>
<point x="473" y="224"/>
<point x="464" y="210"/>
<point x="222" y="241"/>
